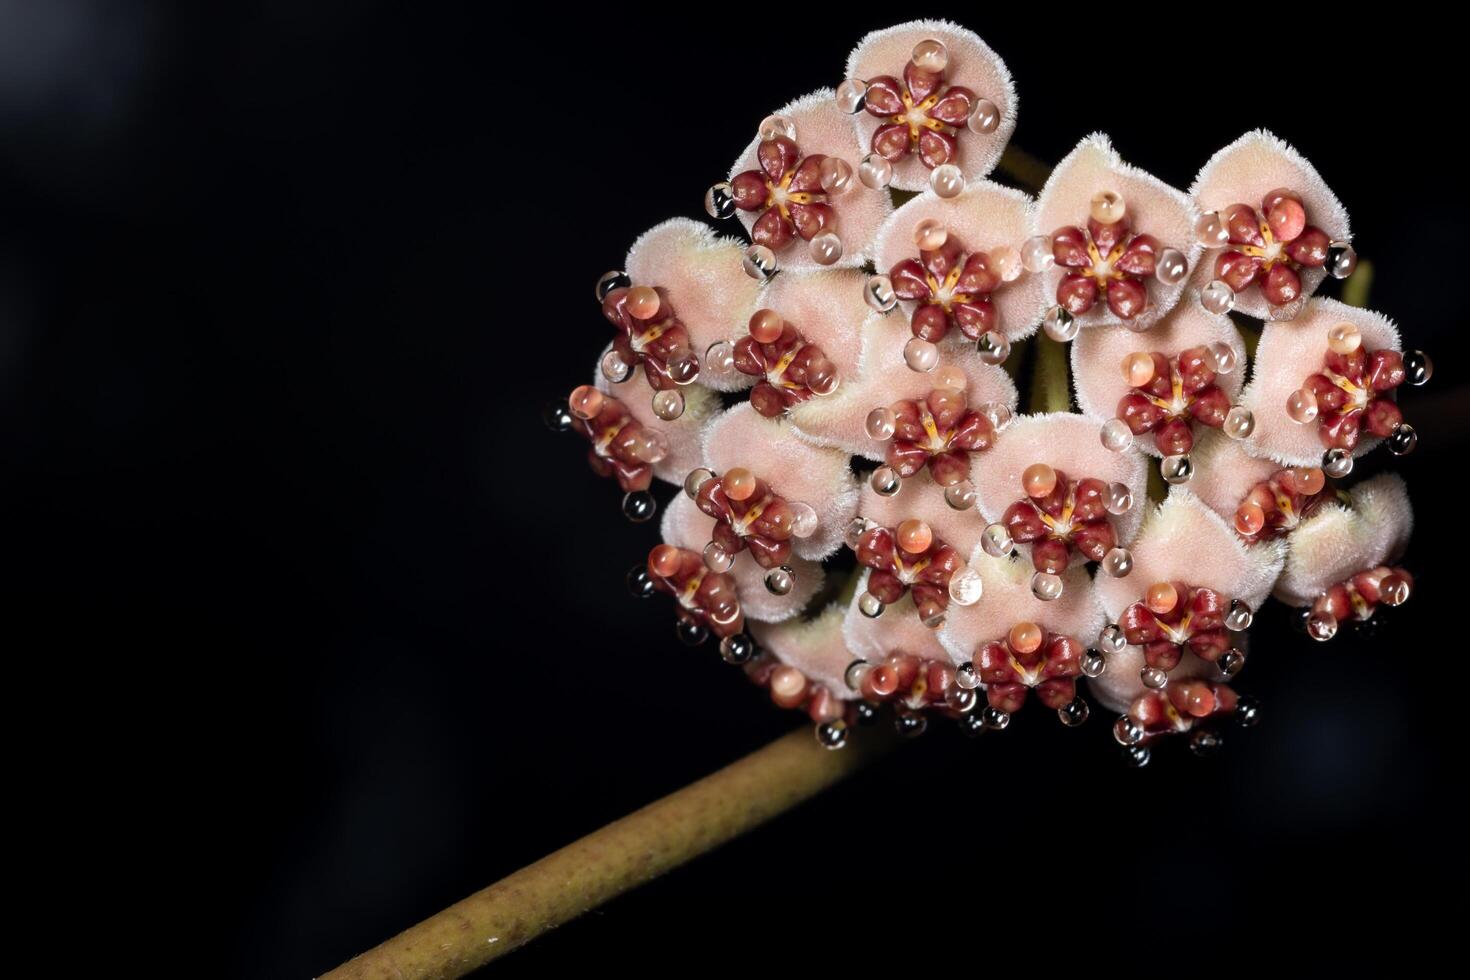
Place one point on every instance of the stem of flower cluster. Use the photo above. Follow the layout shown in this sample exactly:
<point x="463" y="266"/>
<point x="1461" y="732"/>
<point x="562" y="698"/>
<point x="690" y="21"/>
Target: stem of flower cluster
<point x="614" y="859"/>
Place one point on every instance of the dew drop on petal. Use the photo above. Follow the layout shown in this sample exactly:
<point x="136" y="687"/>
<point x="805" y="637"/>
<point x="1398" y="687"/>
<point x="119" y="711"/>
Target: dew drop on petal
<point x="1116" y="436"/>
<point x="1218" y="298"/>
<point x="965" y="586"/>
<point x="804" y="519"/>
<point x="1037" y="254"/>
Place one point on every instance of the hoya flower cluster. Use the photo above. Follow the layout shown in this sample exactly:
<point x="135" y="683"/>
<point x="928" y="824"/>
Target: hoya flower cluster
<point x="866" y="515"/>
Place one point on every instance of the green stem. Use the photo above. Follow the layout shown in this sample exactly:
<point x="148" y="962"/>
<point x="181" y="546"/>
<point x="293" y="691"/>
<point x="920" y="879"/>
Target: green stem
<point x="614" y="859"/>
<point x="1355" y="289"/>
<point x="1051" y="384"/>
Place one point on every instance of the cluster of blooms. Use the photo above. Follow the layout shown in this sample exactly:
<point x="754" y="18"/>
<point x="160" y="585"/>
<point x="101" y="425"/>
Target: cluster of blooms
<point x="997" y="556"/>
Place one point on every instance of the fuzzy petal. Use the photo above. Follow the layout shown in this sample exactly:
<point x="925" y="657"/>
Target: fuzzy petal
<point x="1337" y="542"/>
<point x="898" y="630"/>
<point x="1065" y="441"/>
<point x="684" y="525"/>
<point x="1289" y="352"/>
<point x="816" y="647"/>
<point x="921" y="498"/>
<point x="1007" y="600"/>
<point x="685" y="433"/>
<point x="1182" y="540"/>
<point x="1243" y="173"/>
<point x="795" y="469"/>
<point x="1121" y="680"/>
<point x="882" y="379"/>
<point x="972" y="65"/>
<point x="1224" y="472"/>
<point x="822" y="128"/>
<point x="826" y="306"/>
<point x="1152" y="208"/>
<point x="1097" y="359"/>
<point x="984" y="217"/>
<point x="702" y="274"/>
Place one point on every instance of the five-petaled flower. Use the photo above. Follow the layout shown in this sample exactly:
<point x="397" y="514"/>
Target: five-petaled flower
<point x="923" y="115"/>
<point x="1070" y="514"/>
<point x="1029" y="658"/>
<point x="790" y="370"/>
<point x="708" y="599"/>
<point x="787" y="190"/>
<point x="1180" y="705"/>
<point x="1170" y="393"/>
<point x="748" y="515"/>
<point x="1269" y="251"/>
<point x="617" y="441"/>
<point x="1107" y="260"/>
<point x="650" y="333"/>
<point x="939" y="431"/>
<point x="951" y="288"/>
<point x="1353" y="392"/>
<point x="1278" y="504"/>
<point x="1174" y="617"/>
<point x="909" y="558"/>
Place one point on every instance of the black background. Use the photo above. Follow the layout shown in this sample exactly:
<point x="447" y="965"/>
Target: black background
<point x="331" y="632"/>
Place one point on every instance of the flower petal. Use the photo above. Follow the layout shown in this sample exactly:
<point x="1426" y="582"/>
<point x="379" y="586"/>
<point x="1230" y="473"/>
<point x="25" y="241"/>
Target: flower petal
<point x="1121" y="680"/>
<point x="983" y="217"/>
<point x="815" y="647"/>
<point x="822" y="128"/>
<point x="898" y="630"/>
<point x="1151" y="206"/>
<point x="1007" y="600"/>
<point x="972" y="65"/>
<point x="1097" y="359"/>
<point x="920" y="498"/>
<point x="794" y="468"/>
<point x="1182" y="540"/>
<point x="702" y="274"/>
<point x="1245" y="172"/>
<point x="1339" y="541"/>
<point x="1289" y="352"/>
<point x="684" y="525"/>
<point x="685" y="433"/>
<point x="826" y="307"/>
<point x="1224" y="473"/>
<point x="881" y="379"/>
<point x="1065" y="441"/>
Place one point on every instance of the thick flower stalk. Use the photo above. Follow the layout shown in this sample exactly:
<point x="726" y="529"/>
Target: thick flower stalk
<point x="866" y="517"/>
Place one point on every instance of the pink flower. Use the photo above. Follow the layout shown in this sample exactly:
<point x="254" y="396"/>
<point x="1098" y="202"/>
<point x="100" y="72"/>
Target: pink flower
<point x="1114" y="243"/>
<point x="935" y="94"/>
<point x="1272" y="227"/>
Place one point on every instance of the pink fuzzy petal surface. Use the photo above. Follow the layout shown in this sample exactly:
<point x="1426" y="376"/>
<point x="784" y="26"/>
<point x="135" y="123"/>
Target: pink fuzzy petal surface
<point x="1097" y="359"/>
<point x="684" y="525"/>
<point x="882" y="378"/>
<point x="822" y="128"/>
<point x="815" y="647"/>
<point x="972" y="65"/>
<point x="920" y="498"/>
<point x="1224" y="472"/>
<point x="1245" y="172"/>
<point x="898" y="630"/>
<point x="795" y="469"/>
<point x="1337" y="542"/>
<point x="1152" y="208"/>
<point x="706" y="284"/>
<point x="1007" y="600"/>
<point x="1182" y="540"/>
<point x="1121" y="680"/>
<point x="984" y="217"/>
<point x="1064" y="441"/>
<point x="685" y="433"/>
<point x="826" y="306"/>
<point x="1289" y="352"/>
